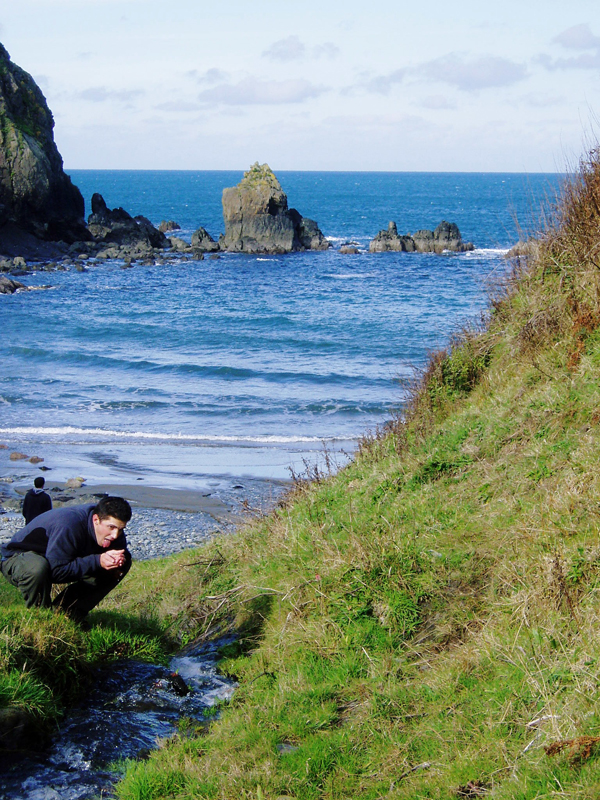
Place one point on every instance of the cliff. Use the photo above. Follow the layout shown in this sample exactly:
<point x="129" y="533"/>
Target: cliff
<point x="36" y="196"/>
<point x="258" y="220"/>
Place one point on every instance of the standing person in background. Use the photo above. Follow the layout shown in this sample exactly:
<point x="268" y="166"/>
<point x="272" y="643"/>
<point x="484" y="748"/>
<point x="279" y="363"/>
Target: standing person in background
<point x="36" y="501"/>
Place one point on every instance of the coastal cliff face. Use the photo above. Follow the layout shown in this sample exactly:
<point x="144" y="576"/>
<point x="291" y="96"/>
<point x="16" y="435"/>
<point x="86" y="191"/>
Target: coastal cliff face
<point x="35" y="193"/>
<point x="258" y="220"/>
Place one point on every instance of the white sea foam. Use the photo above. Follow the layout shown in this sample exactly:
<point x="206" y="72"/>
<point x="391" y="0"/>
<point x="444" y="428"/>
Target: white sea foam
<point x="485" y="252"/>
<point x="158" y="437"/>
<point x="356" y="240"/>
<point x="347" y="276"/>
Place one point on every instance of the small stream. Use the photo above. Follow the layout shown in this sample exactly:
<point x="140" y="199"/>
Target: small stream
<point x="132" y="707"/>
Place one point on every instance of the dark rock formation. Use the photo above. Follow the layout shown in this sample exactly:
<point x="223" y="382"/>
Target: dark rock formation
<point x="116" y="226"/>
<point x="203" y="241"/>
<point x="36" y="195"/>
<point x="257" y="218"/>
<point x="390" y="240"/>
<point x="180" y="245"/>
<point x="8" y="286"/>
<point x="445" y="237"/>
<point x="349" y="249"/>
<point x="168" y="225"/>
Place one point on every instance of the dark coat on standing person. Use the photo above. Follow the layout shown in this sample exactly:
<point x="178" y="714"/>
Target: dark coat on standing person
<point x="34" y="504"/>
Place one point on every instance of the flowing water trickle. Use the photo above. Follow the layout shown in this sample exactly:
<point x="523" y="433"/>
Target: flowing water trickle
<point x="131" y="708"/>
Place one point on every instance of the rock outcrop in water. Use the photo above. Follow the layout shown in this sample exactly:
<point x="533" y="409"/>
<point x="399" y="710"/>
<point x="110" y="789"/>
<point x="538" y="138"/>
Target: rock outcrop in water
<point x="8" y="286"/>
<point x="117" y="226"/>
<point x="258" y="220"/>
<point x="203" y="241"/>
<point x="37" y="198"/>
<point x="445" y="237"/>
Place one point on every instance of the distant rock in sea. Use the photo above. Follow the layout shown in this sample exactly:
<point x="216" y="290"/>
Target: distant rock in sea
<point x="258" y="220"/>
<point x="168" y="225"/>
<point x="203" y="241"/>
<point x="8" y="286"/>
<point x="525" y="250"/>
<point x="445" y="237"/>
<point x="37" y="199"/>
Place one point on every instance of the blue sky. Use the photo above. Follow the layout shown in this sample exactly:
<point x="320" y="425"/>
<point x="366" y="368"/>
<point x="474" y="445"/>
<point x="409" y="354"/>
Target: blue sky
<point x="314" y="85"/>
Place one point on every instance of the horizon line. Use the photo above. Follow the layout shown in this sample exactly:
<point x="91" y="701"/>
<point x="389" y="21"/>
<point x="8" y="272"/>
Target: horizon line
<point x="328" y="171"/>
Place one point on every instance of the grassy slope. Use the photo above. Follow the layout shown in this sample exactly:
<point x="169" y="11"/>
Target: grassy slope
<point x="423" y="623"/>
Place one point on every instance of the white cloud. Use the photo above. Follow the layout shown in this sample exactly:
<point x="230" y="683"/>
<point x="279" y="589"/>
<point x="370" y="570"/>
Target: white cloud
<point x="213" y="75"/>
<point x="485" y="72"/>
<point x="579" y="37"/>
<point x="537" y="100"/>
<point x="325" y="50"/>
<point x="469" y="76"/>
<point x="383" y="83"/>
<point x="293" y="49"/>
<point x="584" y="61"/>
<point x="437" y="102"/>
<point x="290" y="49"/>
<point x="177" y="106"/>
<point x="100" y="94"/>
<point x="253" y="91"/>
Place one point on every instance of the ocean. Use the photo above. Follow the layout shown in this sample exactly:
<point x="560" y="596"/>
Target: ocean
<point x="202" y="374"/>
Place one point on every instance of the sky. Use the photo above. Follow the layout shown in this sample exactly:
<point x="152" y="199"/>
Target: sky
<point x="511" y="86"/>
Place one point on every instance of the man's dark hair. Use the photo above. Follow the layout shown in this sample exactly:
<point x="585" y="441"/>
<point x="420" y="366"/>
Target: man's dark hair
<point x="115" y="507"/>
<point x="39" y="482"/>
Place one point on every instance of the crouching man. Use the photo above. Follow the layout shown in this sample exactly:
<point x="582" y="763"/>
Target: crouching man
<point x="82" y="546"/>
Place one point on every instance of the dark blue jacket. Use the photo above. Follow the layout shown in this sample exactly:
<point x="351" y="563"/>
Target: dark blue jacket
<point x="65" y="536"/>
<point x="34" y="504"/>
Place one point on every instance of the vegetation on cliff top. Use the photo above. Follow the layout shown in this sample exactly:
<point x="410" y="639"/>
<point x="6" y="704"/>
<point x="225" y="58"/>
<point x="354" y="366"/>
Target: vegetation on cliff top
<point x="260" y="175"/>
<point x="424" y="623"/>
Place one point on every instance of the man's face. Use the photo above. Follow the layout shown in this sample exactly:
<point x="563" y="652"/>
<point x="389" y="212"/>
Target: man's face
<point x="107" y="530"/>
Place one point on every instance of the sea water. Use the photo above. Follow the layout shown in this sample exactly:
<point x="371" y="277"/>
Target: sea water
<point x="194" y="372"/>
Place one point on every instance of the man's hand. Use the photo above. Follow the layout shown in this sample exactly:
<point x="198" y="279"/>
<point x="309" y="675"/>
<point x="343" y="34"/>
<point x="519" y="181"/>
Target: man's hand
<point x="112" y="559"/>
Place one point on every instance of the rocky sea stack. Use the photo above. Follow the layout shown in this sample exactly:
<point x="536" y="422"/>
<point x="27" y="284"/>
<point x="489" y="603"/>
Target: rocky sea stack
<point x="445" y="237"/>
<point x="117" y="226"/>
<point x="36" y="196"/>
<point x="258" y="220"/>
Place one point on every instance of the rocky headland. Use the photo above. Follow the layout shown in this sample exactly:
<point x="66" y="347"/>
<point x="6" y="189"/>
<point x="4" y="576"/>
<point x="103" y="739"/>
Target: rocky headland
<point x="445" y="237"/>
<point x="38" y="201"/>
<point x="258" y="220"/>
